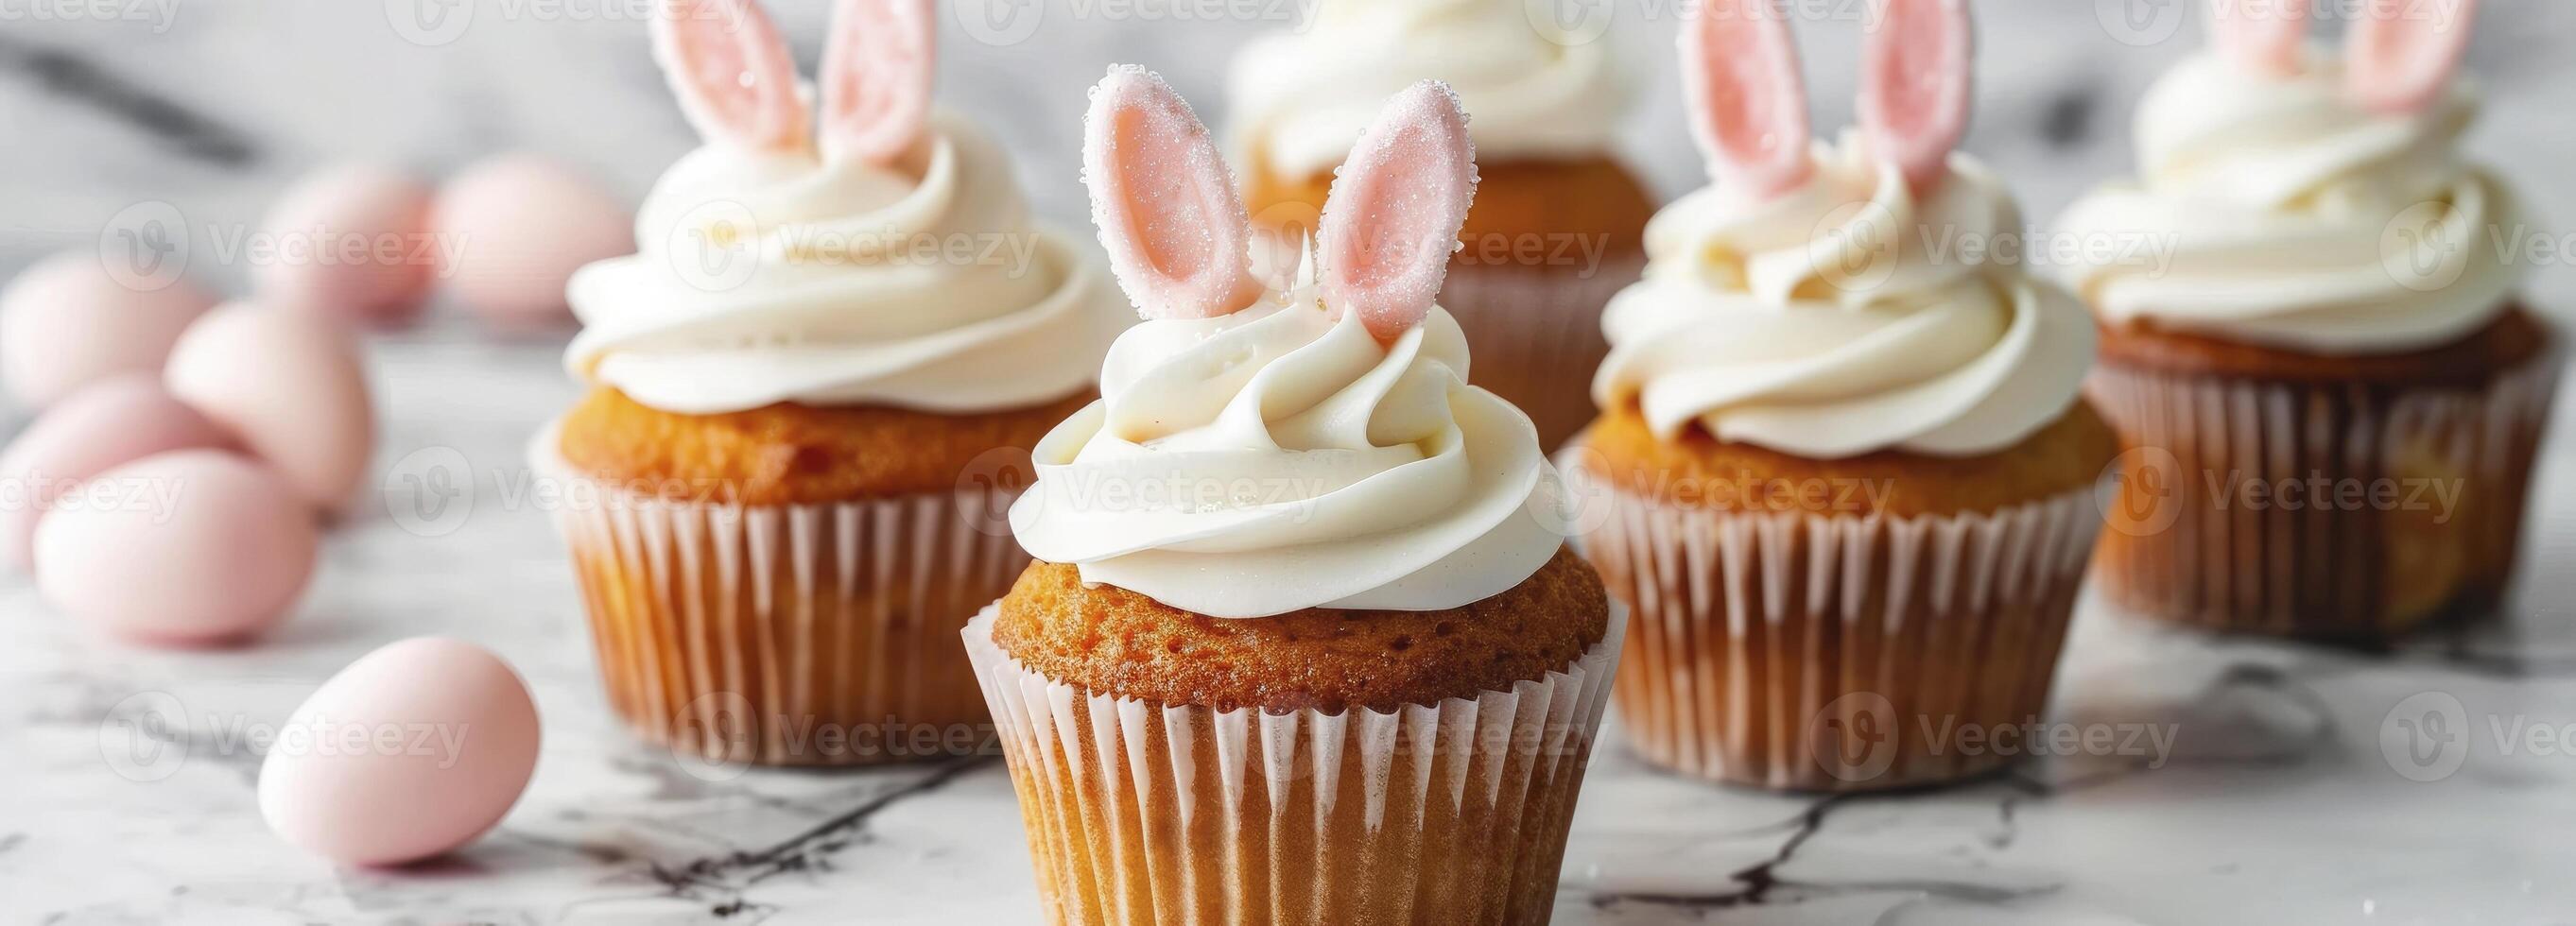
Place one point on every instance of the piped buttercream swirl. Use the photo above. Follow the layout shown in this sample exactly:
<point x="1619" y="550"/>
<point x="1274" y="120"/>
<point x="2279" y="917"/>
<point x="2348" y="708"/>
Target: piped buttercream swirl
<point x="1282" y="458"/>
<point x="779" y="276"/>
<point x="1300" y="98"/>
<point x="2301" y="220"/>
<point x="1845" y="317"/>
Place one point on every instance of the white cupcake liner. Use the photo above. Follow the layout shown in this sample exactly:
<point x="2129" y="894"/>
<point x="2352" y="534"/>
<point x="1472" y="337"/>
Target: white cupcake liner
<point x="1143" y="812"/>
<point x="2188" y="547"/>
<point x="1534" y="335"/>
<point x="787" y="634"/>
<point x="1833" y="652"/>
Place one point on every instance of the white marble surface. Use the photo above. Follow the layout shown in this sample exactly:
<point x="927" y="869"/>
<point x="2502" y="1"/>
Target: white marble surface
<point x="2277" y="802"/>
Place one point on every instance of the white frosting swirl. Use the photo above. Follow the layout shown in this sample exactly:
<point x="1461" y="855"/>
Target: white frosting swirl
<point x="2300" y="220"/>
<point x="1300" y="98"/>
<point x="1843" y="318"/>
<point x="1278" y="459"/>
<point x="926" y="288"/>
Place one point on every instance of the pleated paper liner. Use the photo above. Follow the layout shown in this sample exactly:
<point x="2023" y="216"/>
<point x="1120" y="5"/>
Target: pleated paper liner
<point x="1534" y="335"/>
<point x="1142" y="813"/>
<point x="787" y="635"/>
<point x="1833" y="652"/>
<point x="2317" y="511"/>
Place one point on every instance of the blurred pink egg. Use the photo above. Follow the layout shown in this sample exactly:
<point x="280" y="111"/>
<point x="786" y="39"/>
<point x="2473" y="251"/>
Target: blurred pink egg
<point x="521" y="224"/>
<point x="413" y="750"/>
<point x="290" y="385"/>
<point x="106" y="425"/>
<point x="66" y="322"/>
<point x="351" y="240"/>
<point x="187" y="548"/>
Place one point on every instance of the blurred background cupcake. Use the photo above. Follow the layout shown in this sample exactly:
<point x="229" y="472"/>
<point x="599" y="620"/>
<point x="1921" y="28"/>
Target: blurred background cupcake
<point x="1303" y="643"/>
<point x="1559" y="220"/>
<point x="808" y="390"/>
<point x="1844" y="481"/>
<point x="2330" y="387"/>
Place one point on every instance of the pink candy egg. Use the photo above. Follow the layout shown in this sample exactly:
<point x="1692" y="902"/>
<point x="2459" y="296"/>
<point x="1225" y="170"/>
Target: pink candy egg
<point x="186" y="548"/>
<point x="352" y="241"/>
<point x="413" y="750"/>
<point x="290" y="386"/>
<point x="106" y="425"/>
<point x="66" y="322"/>
<point x="520" y="225"/>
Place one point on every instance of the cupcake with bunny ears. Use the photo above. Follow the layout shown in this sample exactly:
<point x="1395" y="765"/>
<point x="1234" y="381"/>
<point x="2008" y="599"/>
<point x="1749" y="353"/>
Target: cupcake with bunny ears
<point x="784" y="489"/>
<point x="1844" y="479"/>
<point x="1559" y="222"/>
<point x="1302" y="643"/>
<point x="2330" y="387"/>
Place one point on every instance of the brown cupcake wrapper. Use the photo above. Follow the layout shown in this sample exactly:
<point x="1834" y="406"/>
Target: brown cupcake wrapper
<point x="1534" y="334"/>
<point x="787" y="634"/>
<point x="2190" y="545"/>
<point x="1833" y="652"/>
<point x="1141" y="812"/>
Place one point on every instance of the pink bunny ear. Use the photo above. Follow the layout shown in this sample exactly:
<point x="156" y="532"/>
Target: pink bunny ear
<point x="734" y="75"/>
<point x="1916" y="86"/>
<point x="2265" y="37"/>
<point x="1396" y="208"/>
<point x="1748" y="104"/>
<point x="876" y="78"/>
<point x="1165" y="203"/>
<point x="2400" y="55"/>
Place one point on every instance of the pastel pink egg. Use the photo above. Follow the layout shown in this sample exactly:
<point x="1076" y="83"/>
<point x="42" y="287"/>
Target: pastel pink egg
<point x="66" y="322"/>
<point x="103" y="426"/>
<point x="409" y="752"/>
<point x="189" y="548"/>
<point x="520" y="225"/>
<point x="351" y="240"/>
<point x="291" y="386"/>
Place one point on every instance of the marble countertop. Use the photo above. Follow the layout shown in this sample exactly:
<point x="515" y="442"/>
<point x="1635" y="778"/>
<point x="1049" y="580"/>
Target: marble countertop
<point x="2246" y="783"/>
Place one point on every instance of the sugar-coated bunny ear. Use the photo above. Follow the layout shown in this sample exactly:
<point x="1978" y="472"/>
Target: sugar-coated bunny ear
<point x="733" y="73"/>
<point x="2262" y="37"/>
<point x="1748" y="104"/>
<point x="2400" y="54"/>
<point x="1916" y="86"/>
<point x="1165" y="203"/>
<point x="1396" y="208"/>
<point x="877" y="69"/>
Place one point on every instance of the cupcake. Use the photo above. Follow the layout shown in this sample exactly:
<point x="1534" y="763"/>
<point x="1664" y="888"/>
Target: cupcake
<point x="1302" y="643"/>
<point x="1843" y="475"/>
<point x="785" y="487"/>
<point x="2320" y="361"/>
<point x="1559" y="222"/>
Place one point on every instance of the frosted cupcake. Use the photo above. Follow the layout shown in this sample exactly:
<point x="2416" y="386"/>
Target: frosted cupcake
<point x="785" y="486"/>
<point x="1302" y="644"/>
<point x="2331" y="391"/>
<point x="1559" y="221"/>
<point x="1846" y="484"/>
